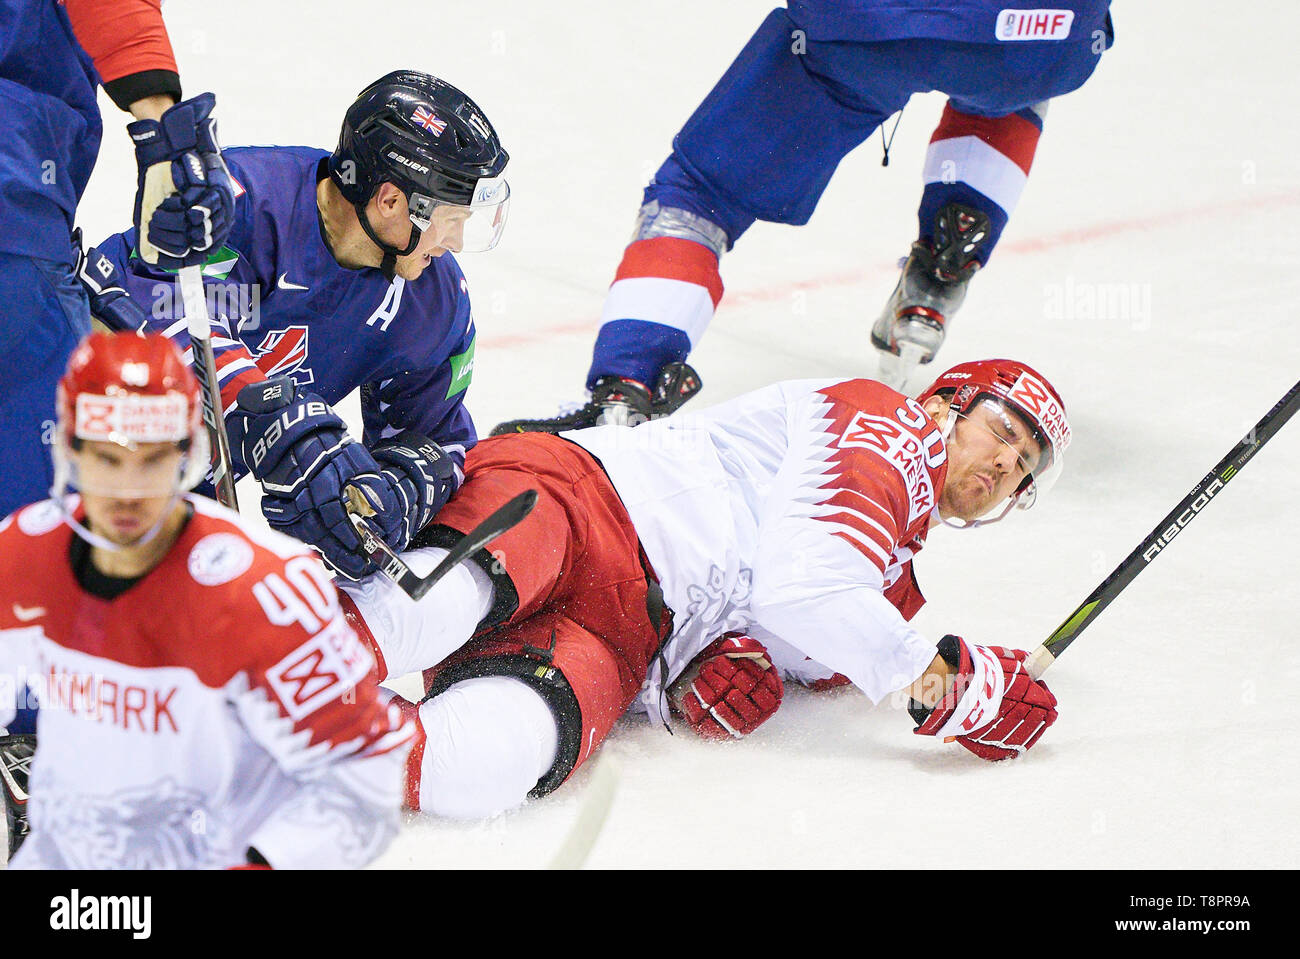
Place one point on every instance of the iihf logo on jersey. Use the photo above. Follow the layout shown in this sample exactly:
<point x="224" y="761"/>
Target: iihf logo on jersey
<point x="283" y="353"/>
<point x="1038" y="24"/>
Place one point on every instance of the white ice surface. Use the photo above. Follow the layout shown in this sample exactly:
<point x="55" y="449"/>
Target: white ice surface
<point x="1173" y="175"/>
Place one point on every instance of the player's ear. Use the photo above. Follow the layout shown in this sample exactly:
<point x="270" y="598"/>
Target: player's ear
<point x="937" y="407"/>
<point x="389" y="201"/>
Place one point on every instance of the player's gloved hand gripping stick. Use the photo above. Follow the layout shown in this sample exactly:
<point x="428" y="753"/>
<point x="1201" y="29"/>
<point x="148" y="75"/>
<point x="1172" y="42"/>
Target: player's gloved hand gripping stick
<point x="110" y="303"/>
<point x="184" y="208"/>
<point x="1187" y="509"/>
<point x="1002" y="725"/>
<point x="358" y="507"/>
<point x="185" y="200"/>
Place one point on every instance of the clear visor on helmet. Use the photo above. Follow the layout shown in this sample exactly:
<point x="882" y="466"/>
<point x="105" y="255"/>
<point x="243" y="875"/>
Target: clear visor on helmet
<point x="151" y="471"/>
<point x="465" y="228"/>
<point x="1037" y="460"/>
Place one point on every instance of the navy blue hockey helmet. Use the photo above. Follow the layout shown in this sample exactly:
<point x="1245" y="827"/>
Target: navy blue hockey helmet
<point x="433" y="143"/>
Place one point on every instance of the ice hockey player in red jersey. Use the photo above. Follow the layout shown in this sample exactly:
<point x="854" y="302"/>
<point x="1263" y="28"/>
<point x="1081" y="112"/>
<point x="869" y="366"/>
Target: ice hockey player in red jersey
<point x="696" y="562"/>
<point x="203" y="701"/>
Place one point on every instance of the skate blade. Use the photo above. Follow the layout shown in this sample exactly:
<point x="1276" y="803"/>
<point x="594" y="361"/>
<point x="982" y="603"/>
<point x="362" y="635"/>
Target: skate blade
<point x="896" y="369"/>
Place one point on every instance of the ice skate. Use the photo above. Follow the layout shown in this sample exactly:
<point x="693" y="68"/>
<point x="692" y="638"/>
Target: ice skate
<point x="932" y="286"/>
<point x="619" y="401"/>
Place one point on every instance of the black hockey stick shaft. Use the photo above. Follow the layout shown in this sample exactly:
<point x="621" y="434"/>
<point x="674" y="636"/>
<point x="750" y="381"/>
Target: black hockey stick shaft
<point x="205" y="371"/>
<point x="396" y="569"/>
<point x="1175" y="522"/>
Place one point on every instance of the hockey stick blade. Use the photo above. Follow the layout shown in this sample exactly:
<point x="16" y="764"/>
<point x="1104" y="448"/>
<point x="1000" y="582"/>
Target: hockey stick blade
<point x="1187" y="510"/>
<point x="205" y="371"/>
<point x="396" y="569"/>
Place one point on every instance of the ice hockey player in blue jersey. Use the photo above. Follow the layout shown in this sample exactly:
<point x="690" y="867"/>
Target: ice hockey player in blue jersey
<point x="814" y="82"/>
<point x="336" y="276"/>
<point x="52" y="57"/>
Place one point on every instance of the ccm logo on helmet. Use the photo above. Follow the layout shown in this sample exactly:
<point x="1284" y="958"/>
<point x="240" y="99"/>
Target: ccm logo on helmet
<point x="1037" y="400"/>
<point x="418" y="167"/>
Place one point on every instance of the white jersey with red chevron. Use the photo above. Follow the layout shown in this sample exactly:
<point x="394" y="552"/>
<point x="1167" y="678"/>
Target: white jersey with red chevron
<point x="220" y="703"/>
<point x="794" y="510"/>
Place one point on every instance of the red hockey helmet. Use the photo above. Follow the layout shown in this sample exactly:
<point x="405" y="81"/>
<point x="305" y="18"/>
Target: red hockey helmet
<point x="129" y="389"/>
<point x="1015" y="386"/>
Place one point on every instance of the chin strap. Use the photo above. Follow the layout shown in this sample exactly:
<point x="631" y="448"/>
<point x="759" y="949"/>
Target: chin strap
<point x="101" y="542"/>
<point x="59" y="494"/>
<point x="391" y="253"/>
<point x="945" y="430"/>
<point x="977" y="523"/>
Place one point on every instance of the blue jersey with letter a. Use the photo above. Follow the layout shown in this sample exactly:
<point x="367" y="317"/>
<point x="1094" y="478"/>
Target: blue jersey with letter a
<point x="281" y="305"/>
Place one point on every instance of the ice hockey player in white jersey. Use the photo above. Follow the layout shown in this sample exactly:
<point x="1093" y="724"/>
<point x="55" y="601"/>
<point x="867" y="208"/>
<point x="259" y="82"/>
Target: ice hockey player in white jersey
<point x="203" y="701"/>
<point x="693" y="562"/>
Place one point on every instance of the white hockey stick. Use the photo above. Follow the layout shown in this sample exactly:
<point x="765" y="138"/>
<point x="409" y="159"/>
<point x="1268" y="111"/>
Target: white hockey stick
<point x="205" y="369"/>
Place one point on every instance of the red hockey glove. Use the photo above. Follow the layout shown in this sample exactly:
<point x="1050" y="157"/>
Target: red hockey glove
<point x="994" y="709"/>
<point x="729" y="690"/>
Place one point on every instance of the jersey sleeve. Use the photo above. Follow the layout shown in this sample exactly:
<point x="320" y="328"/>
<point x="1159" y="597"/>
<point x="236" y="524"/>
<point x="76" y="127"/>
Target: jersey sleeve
<point x="854" y="484"/>
<point x="129" y="44"/>
<point x="229" y="295"/>
<point x="431" y="401"/>
<point x="311" y="700"/>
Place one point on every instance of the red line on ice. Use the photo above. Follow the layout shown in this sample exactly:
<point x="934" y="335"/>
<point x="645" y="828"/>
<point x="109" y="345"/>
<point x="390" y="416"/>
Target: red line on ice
<point x="1027" y="246"/>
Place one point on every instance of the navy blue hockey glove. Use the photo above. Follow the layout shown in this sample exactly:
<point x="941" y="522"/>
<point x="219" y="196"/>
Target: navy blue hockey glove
<point x="184" y="200"/>
<point x="299" y="450"/>
<point x="109" y="302"/>
<point x="423" y="475"/>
